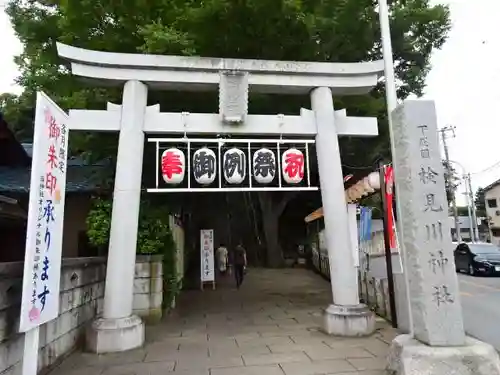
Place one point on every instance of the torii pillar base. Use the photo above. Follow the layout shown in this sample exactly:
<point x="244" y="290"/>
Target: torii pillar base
<point x="349" y="321"/>
<point x="115" y="335"/>
<point x="409" y="356"/>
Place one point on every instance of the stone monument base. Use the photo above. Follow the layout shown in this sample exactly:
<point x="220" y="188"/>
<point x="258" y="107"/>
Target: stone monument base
<point x="409" y="356"/>
<point x="115" y="335"/>
<point x="349" y="321"/>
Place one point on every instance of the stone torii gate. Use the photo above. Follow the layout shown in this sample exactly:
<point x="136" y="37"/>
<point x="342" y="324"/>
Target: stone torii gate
<point x="118" y="329"/>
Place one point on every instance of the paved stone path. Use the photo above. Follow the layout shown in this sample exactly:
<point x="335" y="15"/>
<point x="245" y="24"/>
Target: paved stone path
<point x="268" y="327"/>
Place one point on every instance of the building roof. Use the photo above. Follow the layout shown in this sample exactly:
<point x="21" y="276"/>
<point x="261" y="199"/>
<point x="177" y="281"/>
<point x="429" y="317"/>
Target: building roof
<point x="79" y="179"/>
<point x="15" y="167"/>
<point x="492" y="185"/>
<point x="12" y="153"/>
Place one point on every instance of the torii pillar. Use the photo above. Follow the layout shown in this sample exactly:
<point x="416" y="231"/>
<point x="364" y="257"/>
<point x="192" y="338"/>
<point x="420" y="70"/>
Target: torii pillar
<point x="346" y="316"/>
<point x="119" y="330"/>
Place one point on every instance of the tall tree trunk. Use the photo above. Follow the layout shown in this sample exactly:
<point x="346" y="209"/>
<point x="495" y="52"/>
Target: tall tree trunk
<point x="253" y="225"/>
<point x="228" y="222"/>
<point x="274" y="253"/>
<point x="271" y="213"/>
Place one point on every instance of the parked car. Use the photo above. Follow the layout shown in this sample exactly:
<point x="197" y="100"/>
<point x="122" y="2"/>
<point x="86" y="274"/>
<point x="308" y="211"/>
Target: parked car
<point x="477" y="258"/>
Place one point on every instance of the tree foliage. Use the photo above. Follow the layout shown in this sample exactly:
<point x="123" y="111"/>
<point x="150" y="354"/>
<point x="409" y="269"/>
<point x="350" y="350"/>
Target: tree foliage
<point x="314" y="30"/>
<point x="154" y="237"/>
<point x="479" y="201"/>
<point x="309" y="30"/>
<point x="154" y="234"/>
<point x="19" y="113"/>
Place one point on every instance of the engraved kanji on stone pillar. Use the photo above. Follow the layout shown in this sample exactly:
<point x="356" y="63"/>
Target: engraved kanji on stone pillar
<point x="434" y="294"/>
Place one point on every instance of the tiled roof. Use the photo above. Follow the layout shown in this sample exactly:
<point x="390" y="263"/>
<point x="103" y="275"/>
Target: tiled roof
<point x="73" y="161"/>
<point x="492" y="185"/>
<point x="78" y="179"/>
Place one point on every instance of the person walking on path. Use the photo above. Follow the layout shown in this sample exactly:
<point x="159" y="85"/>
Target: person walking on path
<point x="222" y="259"/>
<point x="240" y="263"/>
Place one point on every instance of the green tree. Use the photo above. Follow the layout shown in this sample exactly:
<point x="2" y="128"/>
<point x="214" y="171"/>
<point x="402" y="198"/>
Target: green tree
<point x="154" y="237"/>
<point x="479" y="201"/>
<point x="18" y="111"/>
<point x="313" y="30"/>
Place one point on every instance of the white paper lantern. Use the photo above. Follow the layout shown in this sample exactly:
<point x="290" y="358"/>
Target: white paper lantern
<point x="234" y="166"/>
<point x="367" y="186"/>
<point x="374" y="180"/>
<point x="292" y="166"/>
<point x="204" y="166"/>
<point x="264" y="166"/>
<point x="173" y="166"/>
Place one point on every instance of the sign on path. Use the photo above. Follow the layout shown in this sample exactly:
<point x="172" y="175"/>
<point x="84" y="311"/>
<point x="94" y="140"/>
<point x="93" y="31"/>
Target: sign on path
<point x="207" y="271"/>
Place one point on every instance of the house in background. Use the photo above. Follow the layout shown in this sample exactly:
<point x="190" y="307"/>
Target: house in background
<point x="15" y="171"/>
<point x="464" y="223"/>
<point x="492" y="204"/>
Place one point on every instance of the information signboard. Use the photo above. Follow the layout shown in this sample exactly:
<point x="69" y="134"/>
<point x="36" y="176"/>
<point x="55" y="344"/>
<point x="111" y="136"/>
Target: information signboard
<point x="207" y="255"/>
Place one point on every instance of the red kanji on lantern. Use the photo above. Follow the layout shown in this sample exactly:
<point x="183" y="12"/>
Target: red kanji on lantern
<point x="171" y="164"/>
<point x="50" y="182"/>
<point x="294" y="165"/>
<point x="52" y="158"/>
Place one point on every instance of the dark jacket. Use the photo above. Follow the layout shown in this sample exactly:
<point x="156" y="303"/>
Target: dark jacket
<point x="239" y="256"/>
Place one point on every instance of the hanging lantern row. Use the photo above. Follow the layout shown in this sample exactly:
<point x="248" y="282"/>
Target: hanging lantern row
<point x="234" y="165"/>
<point x="363" y="187"/>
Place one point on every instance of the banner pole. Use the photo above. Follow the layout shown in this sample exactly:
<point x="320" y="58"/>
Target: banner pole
<point x="30" y="355"/>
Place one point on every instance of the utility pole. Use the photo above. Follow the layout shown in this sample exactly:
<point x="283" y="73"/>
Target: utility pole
<point x="469" y="209"/>
<point x="443" y="132"/>
<point x="473" y="205"/>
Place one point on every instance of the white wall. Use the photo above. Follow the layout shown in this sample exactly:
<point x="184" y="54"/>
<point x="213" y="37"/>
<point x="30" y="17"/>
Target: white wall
<point x="81" y="300"/>
<point x="491" y="212"/>
<point x="377" y="265"/>
<point x="82" y="290"/>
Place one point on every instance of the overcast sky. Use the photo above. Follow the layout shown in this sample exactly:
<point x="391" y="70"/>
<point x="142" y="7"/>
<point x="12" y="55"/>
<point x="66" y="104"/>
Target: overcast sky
<point x="464" y="82"/>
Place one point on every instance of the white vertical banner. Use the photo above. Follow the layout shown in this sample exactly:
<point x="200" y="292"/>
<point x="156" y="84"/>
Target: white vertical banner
<point x="207" y="255"/>
<point x="42" y="264"/>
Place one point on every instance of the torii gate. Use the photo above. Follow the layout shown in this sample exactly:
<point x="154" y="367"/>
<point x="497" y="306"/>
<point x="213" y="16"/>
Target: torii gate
<point x="118" y="329"/>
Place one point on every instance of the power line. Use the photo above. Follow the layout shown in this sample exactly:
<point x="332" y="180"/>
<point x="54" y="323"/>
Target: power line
<point x="491" y="167"/>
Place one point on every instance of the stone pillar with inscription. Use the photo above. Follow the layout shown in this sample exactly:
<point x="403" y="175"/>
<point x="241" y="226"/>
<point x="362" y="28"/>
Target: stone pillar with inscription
<point x="439" y="344"/>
